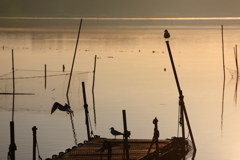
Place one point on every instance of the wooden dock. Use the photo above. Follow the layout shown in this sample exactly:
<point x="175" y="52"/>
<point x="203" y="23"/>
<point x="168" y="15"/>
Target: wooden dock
<point x="113" y="149"/>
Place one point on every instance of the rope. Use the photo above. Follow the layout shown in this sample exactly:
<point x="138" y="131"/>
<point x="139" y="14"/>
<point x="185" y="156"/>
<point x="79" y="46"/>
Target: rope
<point x="44" y="76"/>
<point x="38" y="150"/>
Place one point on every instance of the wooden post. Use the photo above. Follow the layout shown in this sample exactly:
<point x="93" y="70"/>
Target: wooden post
<point x="156" y="136"/>
<point x="86" y="110"/>
<point x="93" y="97"/>
<point x="12" y="146"/>
<point x="34" y="129"/>
<point x="45" y="76"/>
<point x="223" y="54"/>
<point x="63" y="68"/>
<point x="224" y="77"/>
<point x="94" y="71"/>
<point x="13" y="78"/>
<point x="70" y="77"/>
<point x="126" y="134"/>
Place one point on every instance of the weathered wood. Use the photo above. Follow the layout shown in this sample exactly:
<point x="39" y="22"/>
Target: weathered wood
<point x="98" y="148"/>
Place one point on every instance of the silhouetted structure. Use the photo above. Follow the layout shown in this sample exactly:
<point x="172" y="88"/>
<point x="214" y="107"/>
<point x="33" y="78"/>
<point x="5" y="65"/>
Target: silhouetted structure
<point x="66" y="108"/>
<point x="166" y="34"/>
<point x="115" y="132"/>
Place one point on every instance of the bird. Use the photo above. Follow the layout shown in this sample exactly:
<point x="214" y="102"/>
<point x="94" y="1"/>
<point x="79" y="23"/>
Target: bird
<point x="66" y="108"/>
<point x="115" y="132"/>
<point x="166" y="34"/>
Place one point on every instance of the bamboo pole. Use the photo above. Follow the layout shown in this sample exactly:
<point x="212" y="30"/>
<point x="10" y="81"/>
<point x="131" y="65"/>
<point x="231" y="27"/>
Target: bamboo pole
<point x="34" y="129"/>
<point x="126" y="135"/>
<point x="73" y="60"/>
<point x="223" y="54"/>
<point x="181" y="101"/>
<point x="13" y="78"/>
<point x="93" y="85"/>
<point x="224" y="77"/>
<point x="86" y="111"/>
<point x="12" y="146"/>
<point x="45" y="76"/>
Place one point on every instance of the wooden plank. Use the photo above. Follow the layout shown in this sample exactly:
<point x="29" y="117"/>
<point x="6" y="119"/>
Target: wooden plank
<point x="91" y="150"/>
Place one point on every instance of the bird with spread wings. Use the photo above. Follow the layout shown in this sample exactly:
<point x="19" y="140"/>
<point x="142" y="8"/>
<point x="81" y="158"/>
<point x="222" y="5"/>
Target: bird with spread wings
<point x="65" y="108"/>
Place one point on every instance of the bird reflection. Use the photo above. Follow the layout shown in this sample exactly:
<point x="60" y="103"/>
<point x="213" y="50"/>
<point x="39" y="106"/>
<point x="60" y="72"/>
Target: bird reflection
<point x="65" y="108"/>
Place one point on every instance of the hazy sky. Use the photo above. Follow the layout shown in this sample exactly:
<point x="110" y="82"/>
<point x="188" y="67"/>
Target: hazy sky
<point x="121" y="8"/>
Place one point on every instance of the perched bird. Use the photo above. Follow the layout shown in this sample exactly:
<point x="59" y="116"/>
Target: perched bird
<point x="166" y="34"/>
<point x="66" y="108"/>
<point x="115" y="133"/>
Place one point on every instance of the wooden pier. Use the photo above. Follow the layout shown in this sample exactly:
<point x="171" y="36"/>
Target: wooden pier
<point x="113" y="149"/>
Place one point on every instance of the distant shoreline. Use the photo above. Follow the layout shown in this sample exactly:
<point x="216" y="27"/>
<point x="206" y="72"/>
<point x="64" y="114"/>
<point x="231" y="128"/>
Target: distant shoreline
<point x="124" y="19"/>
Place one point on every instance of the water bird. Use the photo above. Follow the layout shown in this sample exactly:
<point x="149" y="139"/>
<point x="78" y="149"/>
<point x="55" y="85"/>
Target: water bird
<point x="65" y="108"/>
<point x="115" y="132"/>
<point x="166" y="34"/>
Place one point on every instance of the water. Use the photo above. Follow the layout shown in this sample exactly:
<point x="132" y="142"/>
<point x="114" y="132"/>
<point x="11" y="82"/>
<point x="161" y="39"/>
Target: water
<point x="130" y="76"/>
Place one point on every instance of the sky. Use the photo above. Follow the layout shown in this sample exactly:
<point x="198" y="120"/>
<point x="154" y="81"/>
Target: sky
<point x="119" y="8"/>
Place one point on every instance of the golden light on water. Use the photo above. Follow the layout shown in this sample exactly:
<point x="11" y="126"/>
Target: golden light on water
<point x="147" y="19"/>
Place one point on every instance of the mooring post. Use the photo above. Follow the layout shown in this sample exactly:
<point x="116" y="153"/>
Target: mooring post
<point x="86" y="110"/>
<point x="45" y="76"/>
<point x="156" y="136"/>
<point x="126" y="134"/>
<point x="63" y="68"/>
<point x="34" y="129"/>
<point x="13" y="78"/>
<point x="12" y="146"/>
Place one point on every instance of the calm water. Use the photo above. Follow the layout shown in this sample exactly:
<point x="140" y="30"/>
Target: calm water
<point x="130" y="76"/>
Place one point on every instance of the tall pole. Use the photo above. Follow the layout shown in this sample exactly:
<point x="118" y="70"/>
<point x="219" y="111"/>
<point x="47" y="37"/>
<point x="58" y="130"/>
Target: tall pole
<point x="223" y="53"/>
<point x="34" y="129"/>
<point x="45" y="76"/>
<point x="12" y="146"/>
<point x="156" y="136"/>
<point x="70" y="77"/>
<point x="181" y="101"/>
<point x="126" y="135"/>
<point x="224" y="77"/>
<point x="86" y="110"/>
<point x="13" y="78"/>
<point x="93" y="84"/>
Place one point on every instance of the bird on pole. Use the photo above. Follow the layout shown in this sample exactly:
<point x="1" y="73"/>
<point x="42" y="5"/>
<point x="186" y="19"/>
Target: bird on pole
<point x="115" y="132"/>
<point x="166" y="34"/>
<point x="65" y="108"/>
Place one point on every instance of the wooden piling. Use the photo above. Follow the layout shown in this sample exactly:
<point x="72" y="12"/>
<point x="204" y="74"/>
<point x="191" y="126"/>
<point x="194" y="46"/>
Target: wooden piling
<point x="70" y="77"/>
<point x="224" y="77"/>
<point x="34" y="129"/>
<point x="93" y="85"/>
<point x="223" y="53"/>
<point x="12" y="146"/>
<point x="86" y="110"/>
<point x="13" y="78"/>
<point x="45" y="76"/>
<point x="126" y="135"/>
<point x="181" y="101"/>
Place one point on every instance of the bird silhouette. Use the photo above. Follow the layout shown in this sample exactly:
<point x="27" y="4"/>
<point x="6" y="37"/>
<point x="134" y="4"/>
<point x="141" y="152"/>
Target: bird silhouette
<point x="65" y="108"/>
<point x="166" y="34"/>
<point x="115" y="132"/>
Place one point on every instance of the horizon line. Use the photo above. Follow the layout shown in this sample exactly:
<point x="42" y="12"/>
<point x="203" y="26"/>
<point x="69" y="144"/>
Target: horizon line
<point x="164" y="19"/>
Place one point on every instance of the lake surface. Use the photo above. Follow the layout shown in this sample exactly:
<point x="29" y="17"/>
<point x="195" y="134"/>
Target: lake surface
<point x="132" y="56"/>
